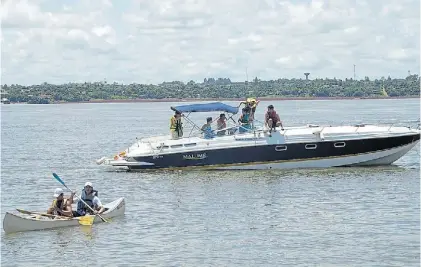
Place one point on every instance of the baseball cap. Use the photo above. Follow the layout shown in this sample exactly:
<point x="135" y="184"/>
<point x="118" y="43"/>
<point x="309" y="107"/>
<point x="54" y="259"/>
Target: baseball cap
<point x="88" y="184"/>
<point x="58" y="192"/>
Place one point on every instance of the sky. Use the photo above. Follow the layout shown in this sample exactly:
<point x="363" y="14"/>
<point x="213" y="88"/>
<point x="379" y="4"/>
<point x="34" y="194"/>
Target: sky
<point x="140" y="41"/>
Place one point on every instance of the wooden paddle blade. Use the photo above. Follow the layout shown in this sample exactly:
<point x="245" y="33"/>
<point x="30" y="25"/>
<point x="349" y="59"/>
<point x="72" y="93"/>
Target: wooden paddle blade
<point x="37" y="213"/>
<point x="86" y="220"/>
<point x="24" y="211"/>
<point x="44" y="214"/>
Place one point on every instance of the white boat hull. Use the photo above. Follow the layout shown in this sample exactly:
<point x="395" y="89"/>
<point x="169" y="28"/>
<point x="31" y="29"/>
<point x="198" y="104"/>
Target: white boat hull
<point x="20" y="222"/>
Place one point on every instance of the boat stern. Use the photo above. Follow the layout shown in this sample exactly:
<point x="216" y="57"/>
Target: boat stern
<point x="124" y="157"/>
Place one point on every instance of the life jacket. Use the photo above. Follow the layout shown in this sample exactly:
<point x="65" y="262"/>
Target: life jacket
<point x="175" y="125"/>
<point x="245" y="118"/>
<point x="61" y="206"/>
<point x="81" y="207"/>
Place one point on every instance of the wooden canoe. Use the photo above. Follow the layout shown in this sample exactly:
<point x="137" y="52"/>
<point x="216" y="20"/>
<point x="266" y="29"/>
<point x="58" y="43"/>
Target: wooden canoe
<point x="23" y="222"/>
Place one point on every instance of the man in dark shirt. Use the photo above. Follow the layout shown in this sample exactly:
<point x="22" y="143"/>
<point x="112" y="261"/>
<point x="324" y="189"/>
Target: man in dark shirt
<point x="272" y="119"/>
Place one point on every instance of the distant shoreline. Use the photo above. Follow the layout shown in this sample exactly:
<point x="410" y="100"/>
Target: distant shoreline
<point x="144" y="100"/>
<point x="140" y="100"/>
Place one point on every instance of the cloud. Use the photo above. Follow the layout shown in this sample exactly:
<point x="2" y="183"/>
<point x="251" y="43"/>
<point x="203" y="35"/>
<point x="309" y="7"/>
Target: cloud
<point x="154" y="41"/>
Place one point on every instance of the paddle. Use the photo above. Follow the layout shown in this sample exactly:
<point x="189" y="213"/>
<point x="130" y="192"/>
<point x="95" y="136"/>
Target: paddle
<point x="83" y="220"/>
<point x="58" y="179"/>
<point x="86" y="220"/>
<point x="42" y="214"/>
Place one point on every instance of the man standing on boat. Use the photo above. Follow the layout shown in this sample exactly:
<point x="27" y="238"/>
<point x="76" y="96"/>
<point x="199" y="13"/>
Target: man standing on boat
<point x="90" y="197"/>
<point x="176" y="126"/>
<point x="251" y="103"/>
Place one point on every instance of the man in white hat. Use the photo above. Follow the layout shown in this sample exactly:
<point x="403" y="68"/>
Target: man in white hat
<point x="61" y="205"/>
<point x="90" y="197"/>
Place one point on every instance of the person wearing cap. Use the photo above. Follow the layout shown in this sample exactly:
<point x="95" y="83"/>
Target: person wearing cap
<point x="176" y="126"/>
<point x="252" y="104"/>
<point x="61" y="205"/>
<point x="272" y="119"/>
<point x="90" y="197"/>
<point x="208" y="133"/>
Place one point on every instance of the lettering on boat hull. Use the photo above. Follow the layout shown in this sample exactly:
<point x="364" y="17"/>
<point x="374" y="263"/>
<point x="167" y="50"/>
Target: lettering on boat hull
<point x="198" y="156"/>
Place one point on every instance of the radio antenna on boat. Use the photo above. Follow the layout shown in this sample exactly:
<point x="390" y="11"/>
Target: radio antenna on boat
<point x="247" y="83"/>
<point x="247" y="75"/>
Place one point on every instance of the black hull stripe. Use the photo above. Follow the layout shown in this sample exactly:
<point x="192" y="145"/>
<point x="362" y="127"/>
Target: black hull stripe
<point x="262" y="155"/>
<point x="152" y="168"/>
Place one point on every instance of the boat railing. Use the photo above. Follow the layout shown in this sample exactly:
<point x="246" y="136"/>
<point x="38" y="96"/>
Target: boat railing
<point x="233" y="129"/>
<point x="391" y="124"/>
<point x="259" y="126"/>
<point x="195" y="131"/>
<point x="358" y="126"/>
<point x="402" y="123"/>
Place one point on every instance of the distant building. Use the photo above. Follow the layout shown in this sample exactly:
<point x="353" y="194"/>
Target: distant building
<point x="3" y="93"/>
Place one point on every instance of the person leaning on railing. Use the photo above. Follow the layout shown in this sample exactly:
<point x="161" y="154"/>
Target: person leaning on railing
<point x="245" y="120"/>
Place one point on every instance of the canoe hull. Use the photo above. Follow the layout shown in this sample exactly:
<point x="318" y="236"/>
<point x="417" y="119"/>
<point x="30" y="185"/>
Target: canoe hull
<point x="20" y="222"/>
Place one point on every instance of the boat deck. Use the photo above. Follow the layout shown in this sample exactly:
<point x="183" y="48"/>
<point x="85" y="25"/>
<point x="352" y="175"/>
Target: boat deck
<point x="164" y="144"/>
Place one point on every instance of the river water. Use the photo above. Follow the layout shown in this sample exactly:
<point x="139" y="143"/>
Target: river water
<point x="324" y="217"/>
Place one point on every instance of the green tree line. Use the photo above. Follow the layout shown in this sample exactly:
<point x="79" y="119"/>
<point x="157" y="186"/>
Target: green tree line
<point x="215" y="88"/>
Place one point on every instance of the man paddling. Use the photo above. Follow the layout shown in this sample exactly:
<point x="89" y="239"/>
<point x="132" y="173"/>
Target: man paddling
<point x="90" y="197"/>
<point x="61" y="206"/>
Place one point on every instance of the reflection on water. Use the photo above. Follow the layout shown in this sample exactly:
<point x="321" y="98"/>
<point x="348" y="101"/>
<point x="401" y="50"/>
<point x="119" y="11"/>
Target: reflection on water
<point x="88" y="231"/>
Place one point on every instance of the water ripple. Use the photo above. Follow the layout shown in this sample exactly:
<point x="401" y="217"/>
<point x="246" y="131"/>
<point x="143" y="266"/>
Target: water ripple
<point x="321" y="217"/>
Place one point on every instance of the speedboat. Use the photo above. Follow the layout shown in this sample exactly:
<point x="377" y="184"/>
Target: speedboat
<point x="309" y="146"/>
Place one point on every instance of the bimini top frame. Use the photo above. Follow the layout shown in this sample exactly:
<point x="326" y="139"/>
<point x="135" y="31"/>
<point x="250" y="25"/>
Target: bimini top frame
<point x="206" y="107"/>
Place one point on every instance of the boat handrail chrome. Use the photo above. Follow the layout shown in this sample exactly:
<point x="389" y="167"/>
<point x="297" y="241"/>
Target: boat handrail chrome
<point x="234" y="131"/>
